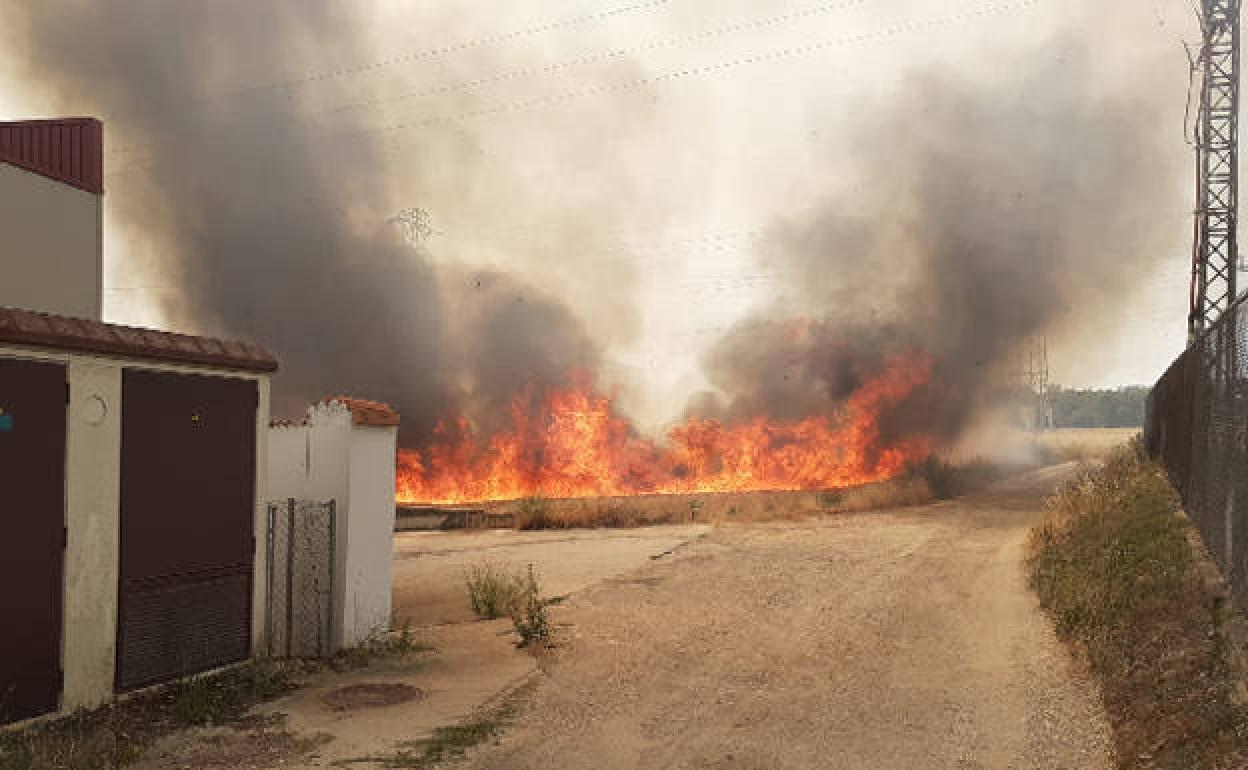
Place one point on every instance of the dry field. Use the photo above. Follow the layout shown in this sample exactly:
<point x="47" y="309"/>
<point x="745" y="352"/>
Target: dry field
<point x="1085" y="443"/>
<point x="709" y="508"/>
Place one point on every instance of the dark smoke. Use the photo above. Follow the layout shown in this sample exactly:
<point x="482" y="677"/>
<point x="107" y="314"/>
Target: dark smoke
<point x="983" y="214"/>
<point x="969" y="216"/>
<point x="271" y="227"/>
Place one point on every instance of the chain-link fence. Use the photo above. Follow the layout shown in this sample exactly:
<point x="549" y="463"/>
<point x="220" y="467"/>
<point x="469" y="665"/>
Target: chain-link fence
<point x="1198" y="427"/>
<point x="300" y="600"/>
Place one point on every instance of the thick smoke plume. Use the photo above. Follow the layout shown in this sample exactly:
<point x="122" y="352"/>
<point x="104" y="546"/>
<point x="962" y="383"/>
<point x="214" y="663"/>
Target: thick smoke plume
<point x="268" y="222"/>
<point x="979" y="215"/>
<point x="969" y="216"/>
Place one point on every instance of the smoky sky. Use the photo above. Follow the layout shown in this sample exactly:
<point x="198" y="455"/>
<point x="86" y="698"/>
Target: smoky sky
<point x="972" y="218"/>
<point x="958" y="214"/>
<point x="273" y="227"/>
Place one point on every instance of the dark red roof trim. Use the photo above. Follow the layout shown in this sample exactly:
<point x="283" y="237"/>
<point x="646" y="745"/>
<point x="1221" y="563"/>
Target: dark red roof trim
<point x="26" y="327"/>
<point x="70" y="150"/>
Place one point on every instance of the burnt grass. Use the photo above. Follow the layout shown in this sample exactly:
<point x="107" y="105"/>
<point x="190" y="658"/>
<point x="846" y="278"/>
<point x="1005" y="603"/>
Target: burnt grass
<point x="1114" y="568"/>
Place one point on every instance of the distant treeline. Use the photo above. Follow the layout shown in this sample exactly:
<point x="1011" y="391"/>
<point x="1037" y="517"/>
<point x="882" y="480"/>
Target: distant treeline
<point x="1118" y="408"/>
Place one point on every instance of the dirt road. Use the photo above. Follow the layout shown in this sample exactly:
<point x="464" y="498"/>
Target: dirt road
<point x="883" y="640"/>
<point x="429" y="567"/>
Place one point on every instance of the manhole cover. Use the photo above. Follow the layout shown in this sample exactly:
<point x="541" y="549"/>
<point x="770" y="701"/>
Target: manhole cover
<point x="370" y="696"/>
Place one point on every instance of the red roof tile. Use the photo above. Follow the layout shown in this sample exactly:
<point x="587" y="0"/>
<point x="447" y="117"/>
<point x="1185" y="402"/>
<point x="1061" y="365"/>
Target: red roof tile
<point x="26" y="327"/>
<point x="70" y="150"/>
<point x="365" y="412"/>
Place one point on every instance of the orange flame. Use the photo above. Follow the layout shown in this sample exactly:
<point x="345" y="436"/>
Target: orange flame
<point x="574" y="445"/>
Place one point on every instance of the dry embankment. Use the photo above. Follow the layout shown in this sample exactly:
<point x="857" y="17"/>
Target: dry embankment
<point x="1114" y="566"/>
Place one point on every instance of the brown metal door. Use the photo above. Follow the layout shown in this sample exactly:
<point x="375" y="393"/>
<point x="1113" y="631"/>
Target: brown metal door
<point x="188" y="454"/>
<point x="32" y="536"/>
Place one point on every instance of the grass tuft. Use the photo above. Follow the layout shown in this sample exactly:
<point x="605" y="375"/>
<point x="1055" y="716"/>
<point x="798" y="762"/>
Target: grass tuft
<point x="445" y="744"/>
<point x="528" y="615"/>
<point x="496" y="590"/>
<point x="1113" y="566"/>
<point x="493" y="590"/>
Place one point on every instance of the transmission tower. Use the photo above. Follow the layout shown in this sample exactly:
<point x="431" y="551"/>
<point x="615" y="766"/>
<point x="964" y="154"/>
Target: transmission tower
<point x="1030" y="385"/>
<point x="1215" y="253"/>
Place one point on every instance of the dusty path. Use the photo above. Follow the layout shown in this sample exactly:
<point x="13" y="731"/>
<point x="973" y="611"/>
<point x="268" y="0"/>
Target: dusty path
<point x="429" y="566"/>
<point x="883" y="640"/>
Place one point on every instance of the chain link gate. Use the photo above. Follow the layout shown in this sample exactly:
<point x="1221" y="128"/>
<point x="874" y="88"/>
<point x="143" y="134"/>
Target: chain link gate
<point x="300" y="600"/>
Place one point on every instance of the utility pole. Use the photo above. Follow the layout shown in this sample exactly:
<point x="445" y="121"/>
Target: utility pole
<point x="1215" y="251"/>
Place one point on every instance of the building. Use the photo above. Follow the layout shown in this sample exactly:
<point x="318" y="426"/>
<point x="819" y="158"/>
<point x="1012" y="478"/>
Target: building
<point x="135" y="514"/>
<point x="51" y="211"/>
<point x="134" y="472"/>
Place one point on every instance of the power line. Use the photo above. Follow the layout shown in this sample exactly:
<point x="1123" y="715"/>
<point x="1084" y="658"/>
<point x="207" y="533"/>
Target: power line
<point x="710" y="69"/>
<point x="430" y="53"/>
<point x="674" y="75"/>
<point x="550" y="69"/>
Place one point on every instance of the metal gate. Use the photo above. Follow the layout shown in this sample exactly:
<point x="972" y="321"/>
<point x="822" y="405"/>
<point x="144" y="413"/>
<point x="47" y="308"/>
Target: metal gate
<point x="32" y="536"/>
<point x="300" y="600"/>
<point x="188" y="454"/>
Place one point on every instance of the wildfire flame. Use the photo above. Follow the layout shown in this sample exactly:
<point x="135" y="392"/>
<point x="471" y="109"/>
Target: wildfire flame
<point x="575" y="445"/>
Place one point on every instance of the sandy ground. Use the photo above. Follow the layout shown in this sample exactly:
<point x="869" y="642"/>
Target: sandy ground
<point x="900" y="639"/>
<point x="473" y="662"/>
<point x="429" y="567"/>
<point x="890" y="640"/>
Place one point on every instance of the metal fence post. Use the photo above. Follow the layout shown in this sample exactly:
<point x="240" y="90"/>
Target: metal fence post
<point x="332" y="506"/>
<point x="268" y="582"/>
<point x="290" y="575"/>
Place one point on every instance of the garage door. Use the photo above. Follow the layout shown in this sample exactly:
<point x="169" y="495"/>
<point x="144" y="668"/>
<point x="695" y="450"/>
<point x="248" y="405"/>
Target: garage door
<point x="187" y="506"/>
<point x="32" y="536"/>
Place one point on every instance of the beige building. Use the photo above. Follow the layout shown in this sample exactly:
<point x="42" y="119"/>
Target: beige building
<point x="134" y="470"/>
<point x="51" y="209"/>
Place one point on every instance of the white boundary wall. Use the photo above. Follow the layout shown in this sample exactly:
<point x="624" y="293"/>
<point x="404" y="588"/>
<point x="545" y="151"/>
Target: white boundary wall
<point x="331" y="458"/>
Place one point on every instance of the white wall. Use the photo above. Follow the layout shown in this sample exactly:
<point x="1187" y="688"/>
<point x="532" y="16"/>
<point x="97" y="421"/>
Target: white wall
<point x="51" y="247"/>
<point x="288" y="462"/>
<point x="92" y="515"/>
<point x="329" y="436"/>
<point x="330" y="458"/>
<point x="370" y="528"/>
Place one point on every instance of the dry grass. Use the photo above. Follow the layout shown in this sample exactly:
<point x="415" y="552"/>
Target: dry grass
<point x="1084" y="444"/>
<point x="655" y="510"/>
<point x="931" y="480"/>
<point x="898" y="493"/>
<point x="1113" y="566"/>
<point x="493" y="589"/>
<point x="446" y="743"/>
<point x="496" y="590"/>
<point x="116" y="735"/>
